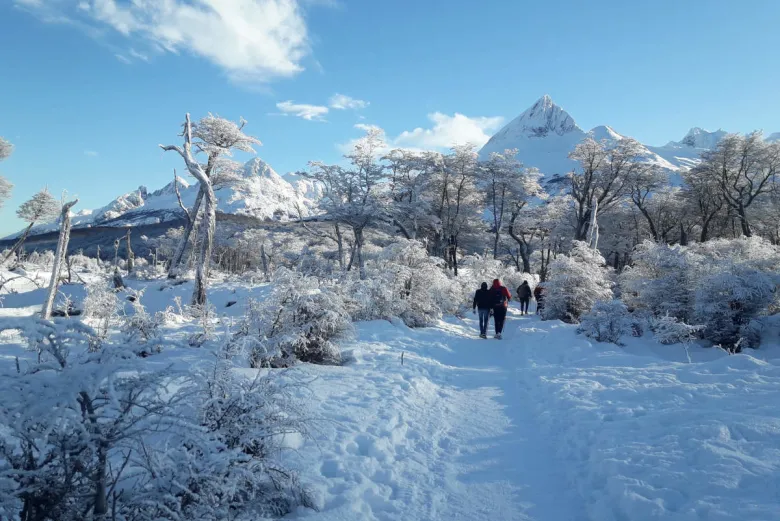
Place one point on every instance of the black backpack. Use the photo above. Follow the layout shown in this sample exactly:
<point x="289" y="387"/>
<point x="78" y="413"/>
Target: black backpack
<point x="499" y="298"/>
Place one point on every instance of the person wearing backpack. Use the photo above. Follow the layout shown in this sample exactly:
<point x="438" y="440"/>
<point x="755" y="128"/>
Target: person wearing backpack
<point x="483" y="301"/>
<point x="524" y="294"/>
<point x="539" y="296"/>
<point x="501" y="298"/>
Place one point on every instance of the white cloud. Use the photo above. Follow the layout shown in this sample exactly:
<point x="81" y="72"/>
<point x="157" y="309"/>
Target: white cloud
<point x="91" y="153"/>
<point x="138" y="55"/>
<point x="446" y="132"/>
<point x="450" y="130"/>
<point x="343" y="102"/>
<point x="252" y="40"/>
<point x="302" y="110"/>
<point x="124" y="59"/>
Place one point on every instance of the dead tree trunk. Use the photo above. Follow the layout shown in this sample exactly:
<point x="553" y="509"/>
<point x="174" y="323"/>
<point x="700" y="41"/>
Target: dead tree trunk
<point x="62" y="248"/>
<point x="209" y="213"/>
<point x="130" y="255"/>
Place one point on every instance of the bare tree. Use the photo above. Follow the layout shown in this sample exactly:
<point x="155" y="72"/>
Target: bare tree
<point x="42" y="207"/>
<point x="649" y="179"/>
<point x="604" y="178"/>
<point x="745" y="168"/>
<point x="216" y="137"/>
<point x="352" y="195"/>
<point x="508" y="187"/>
<point x="59" y="256"/>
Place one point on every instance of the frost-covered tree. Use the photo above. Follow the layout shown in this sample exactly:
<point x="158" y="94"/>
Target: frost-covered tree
<point x="704" y="202"/>
<point x="353" y="195"/>
<point x="745" y="168"/>
<point x="508" y="187"/>
<point x="59" y="258"/>
<point x="409" y="174"/>
<point x="216" y="138"/>
<point x="42" y="207"/>
<point x="577" y="281"/>
<point x="6" y="148"/>
<point x="646" y="192"/>
<point x="455" y="201"/>
<point x="603" y="179"/>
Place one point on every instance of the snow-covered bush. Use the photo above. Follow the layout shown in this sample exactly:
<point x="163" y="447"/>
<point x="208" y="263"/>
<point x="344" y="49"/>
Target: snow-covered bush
<point x="141" y="327"/>
<point x="100" y="309"/>
<point x="727" y="302"/>
<point x="405" y="282"/>
<point x="97" y="435"/>
<point x="577" y="281"/>
<point x="669" y="330"/>
<point x="302" y="320"/>
<point x="607" y="321"/>
<point x="662" y="279"/>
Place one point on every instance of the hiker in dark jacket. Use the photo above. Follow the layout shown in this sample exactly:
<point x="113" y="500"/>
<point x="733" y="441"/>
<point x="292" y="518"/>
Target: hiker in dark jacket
<point x="483" y="301"/>
<point x="524" y="294"/>
<point x="501" y="298"/>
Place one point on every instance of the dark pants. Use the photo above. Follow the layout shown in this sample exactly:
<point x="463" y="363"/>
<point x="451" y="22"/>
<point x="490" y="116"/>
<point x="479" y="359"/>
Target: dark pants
<point x="484" y="319"/>
<point x="524" y="304"/>
<point x="499" y="315"/>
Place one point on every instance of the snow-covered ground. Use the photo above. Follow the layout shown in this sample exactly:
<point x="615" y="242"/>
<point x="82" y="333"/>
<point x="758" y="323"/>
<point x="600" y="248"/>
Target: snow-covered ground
<point x="435" y="423"/>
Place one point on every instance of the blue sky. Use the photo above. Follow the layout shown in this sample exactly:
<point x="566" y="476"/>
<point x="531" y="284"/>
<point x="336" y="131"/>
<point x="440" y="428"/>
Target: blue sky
<point x="90" y="87"/>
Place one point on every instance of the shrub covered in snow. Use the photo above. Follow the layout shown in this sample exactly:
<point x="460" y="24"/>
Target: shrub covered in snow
<point x="607" y="321"/>
<point x="405" y="282"/>
<point x="577" y="281"/>
<point x="670" y="330"/>
<point x="141" y="327"/>
<point x="661" y="279"/>
<point x="97" y="435"/>
<point x="100" y="308"/>
<point x="302" y="320"/>
<point x="727" y="302"/>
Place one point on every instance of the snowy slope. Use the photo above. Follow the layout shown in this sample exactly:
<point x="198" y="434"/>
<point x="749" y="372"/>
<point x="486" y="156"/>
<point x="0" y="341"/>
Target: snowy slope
<point x="686" y="152"/>
<point x="259" y="192"/>
<point x="773" y="137"/>
<point x="545" y="135"/>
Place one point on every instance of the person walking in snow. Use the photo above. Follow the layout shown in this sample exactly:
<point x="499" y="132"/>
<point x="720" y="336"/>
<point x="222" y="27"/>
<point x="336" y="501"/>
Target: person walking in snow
<point x="483" y="301"/>
<point x="539" y="296"/>
<point x="500" y="300"/>
<point x="524" y="294"/>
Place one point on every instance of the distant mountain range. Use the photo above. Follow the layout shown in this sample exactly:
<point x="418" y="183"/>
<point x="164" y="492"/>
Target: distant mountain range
<point x="544" y="135"/>
<point x="259" y="192"/>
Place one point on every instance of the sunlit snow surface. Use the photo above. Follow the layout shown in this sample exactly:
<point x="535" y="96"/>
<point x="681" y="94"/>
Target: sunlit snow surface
<point x="542" y="425"/>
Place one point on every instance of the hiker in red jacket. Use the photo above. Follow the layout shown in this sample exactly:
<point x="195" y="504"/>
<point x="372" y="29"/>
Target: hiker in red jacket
<point x="501" y="298"/>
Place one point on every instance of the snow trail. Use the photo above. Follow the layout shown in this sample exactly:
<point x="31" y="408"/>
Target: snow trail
<point x="451" y="434"/>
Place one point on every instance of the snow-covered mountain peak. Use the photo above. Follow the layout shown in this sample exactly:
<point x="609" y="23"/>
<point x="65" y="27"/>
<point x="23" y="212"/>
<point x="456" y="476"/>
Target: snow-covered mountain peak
<point x="256" y="167"/>
<point x="773" y="137"/>
<point x="699" y="138"/>
<point x="542" y="118"/>
<point x="604" y="132"/>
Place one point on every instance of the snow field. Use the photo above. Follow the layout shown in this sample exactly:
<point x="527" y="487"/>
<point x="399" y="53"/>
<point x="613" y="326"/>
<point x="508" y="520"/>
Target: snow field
<point x="543" y="425"/>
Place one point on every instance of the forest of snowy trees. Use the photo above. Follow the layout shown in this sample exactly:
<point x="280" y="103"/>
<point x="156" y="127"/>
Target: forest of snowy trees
<point x="621" y="246"/>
